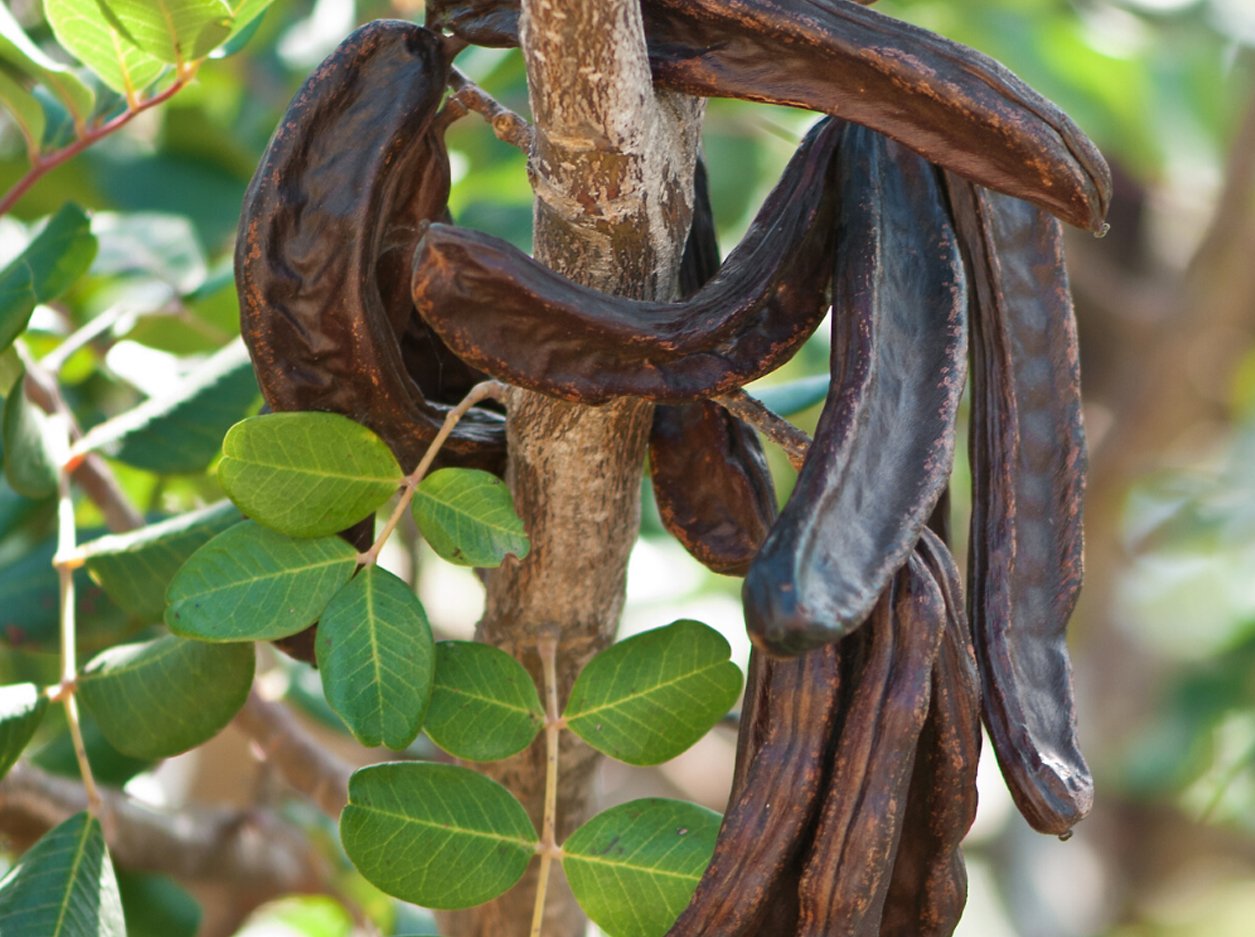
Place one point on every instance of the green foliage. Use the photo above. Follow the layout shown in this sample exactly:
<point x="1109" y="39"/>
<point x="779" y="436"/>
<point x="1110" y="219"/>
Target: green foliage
<point x="27" y="59"/>
<point x="647" y="699"/>
<point x="174" y="31"/>
<point x="32" y="441"/>
<point x="634" y="867"/>
<point x="377" y="658"/>
<point x="64" y="886"/>
<point x="307" y="474"/>
<point x="22" y="708"/>
<point x="109" y="766"/>
<point x="156" y="906"/>
<point x="437" y="835"/>
<point x="468" y="518"/>
<point x="163" y="697"/>
<point x="252" y="584"/>
<point x="484" y="705"/>
<point x="56" y="256"/>
<point x="795" y="396"/>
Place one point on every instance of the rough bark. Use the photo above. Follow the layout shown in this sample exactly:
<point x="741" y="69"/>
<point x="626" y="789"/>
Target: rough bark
<point x="612" y="167"/>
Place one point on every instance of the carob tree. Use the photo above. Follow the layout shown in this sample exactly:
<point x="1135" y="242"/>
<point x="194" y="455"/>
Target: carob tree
<point x="919" y="211"/>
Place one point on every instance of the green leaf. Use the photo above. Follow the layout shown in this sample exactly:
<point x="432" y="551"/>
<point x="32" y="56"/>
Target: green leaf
<point x="26" y="110"/>
<point x="377" y="657"/>
<point x="157" y="906"/>
<point x="181" y="432"/>
<point x="109" y="766"/>
<point x="163" y="697"/>
<point x="436" y="835"/>
<point x="174" y="31"/>
<point x="163" y="246"/>
<point x="17" y="50"/>
<point x="468" y="517"/>
<point x="795" y="396"/>
<point x="246" y="12"/>
<point x="135" y="568"/>
<point x="634" y="867"/>
<point x="646" y="699"/>
<point x="484" y="705"/>
<point x="307" y="474"/>
<point x="252" y="584"/>
<point x="58" y="254"/>
<point x="90" y="32"/>
<point x="32" y="442"/>
<point x="64" y="886"/>
<point x="22" y="708"/>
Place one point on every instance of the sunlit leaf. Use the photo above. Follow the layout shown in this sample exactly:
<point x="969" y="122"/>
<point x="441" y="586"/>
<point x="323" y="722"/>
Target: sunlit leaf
<point x="164" y="246"/>
<point x="252" y="584"/>
<point x="64" y="886"/>
<point x="468" y="517"/>
<point x="307" y="474"/>
<point x="376" y="656"/>
<point x="634" y="867"/>
<point x="58" y="254"/>
<point x="437" y="835"/>
<point x="647" y="699"/>
<point x="484" y="705"/>
<point x="22" y="708"/>
<point x="91" y="35"/>
<point x="32" y="442"/>
<point x="19" y="52"/>
<point x="25" y="110"/>
<point x="165" y="696"/>
<point x="174" y="31"/>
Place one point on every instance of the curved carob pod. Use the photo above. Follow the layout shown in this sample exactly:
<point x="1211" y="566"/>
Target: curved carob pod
<point x="929" y="885"/>
<point x="847" y="872"/>
<point x="884" y="444"/>
<point x="356" y="164"/>
<point x="951" y="104"/>
<point x="513" y="318"/>
<point x="1028" y="478"/>
<point x="775" y="802"/>
<point x="710" y="477"/>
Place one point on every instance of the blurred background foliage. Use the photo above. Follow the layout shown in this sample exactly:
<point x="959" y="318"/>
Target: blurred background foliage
<point x="1164" y="641"/>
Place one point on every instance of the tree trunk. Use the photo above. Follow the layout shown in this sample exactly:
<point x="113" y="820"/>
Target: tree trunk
<point x="612" y="168"/>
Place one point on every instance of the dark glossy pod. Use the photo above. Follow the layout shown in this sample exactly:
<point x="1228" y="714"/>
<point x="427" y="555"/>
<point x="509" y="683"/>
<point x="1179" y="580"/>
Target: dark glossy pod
<point x="511" y="317"/>
<point x="1028" y="479"/>
<point x="490" y="23"/>
<point x="928" y="888"/>
<point x="329" y="219"/>
<point x="745" y="892"/>
<point x="951" y="104"/>
<point x="848" y="869"/>
<point x="884" y="444"/>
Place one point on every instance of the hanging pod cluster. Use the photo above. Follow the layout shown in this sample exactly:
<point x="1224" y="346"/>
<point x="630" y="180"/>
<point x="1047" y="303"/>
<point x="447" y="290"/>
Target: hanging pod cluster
<point x="922" y="210"/>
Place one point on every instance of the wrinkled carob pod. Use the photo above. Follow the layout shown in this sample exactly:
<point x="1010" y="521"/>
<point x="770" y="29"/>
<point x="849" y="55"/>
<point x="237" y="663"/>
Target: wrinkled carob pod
<point x="884" y="445"/>
<point x="929" y="885"/>
<point x="355" y="165"/>
<point x="710" y="477"/>
<point x="953" y="105"/>
<point x="1028" y="478"/>
<point x="847" y="873"/>
<point x="513" y="318"/>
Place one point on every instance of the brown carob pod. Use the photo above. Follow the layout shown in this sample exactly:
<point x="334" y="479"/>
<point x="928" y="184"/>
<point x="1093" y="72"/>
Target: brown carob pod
<point x="1028" y="479"/>
<point x="745" y="891"/>
<point x="356" y="164"/>
<point x="951" y="104"/>
<point x="928" y="888"/>
<point x="511" y="317"/>
<point x="884" y="444"/>
<point x="847" y="872"/>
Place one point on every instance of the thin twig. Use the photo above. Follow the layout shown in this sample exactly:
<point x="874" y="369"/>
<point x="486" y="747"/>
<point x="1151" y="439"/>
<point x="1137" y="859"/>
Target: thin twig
<point x="788" y="437"/>
<point x="508" y="126"/>
<point x="548" y="648"/>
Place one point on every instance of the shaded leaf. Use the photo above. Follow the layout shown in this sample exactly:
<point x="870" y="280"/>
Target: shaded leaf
<point x="91" y="35"/>
<point x="109" y="766"/>
<point x="634" y="867"/>
<point x="64" y="886"/>
<point x="135" y="568"/>
<point x="22" y="708"/>
<point x="174" y="31"/>
<point x="252" y="584"/>
<point x="647" y="699"/>
<point x="32" y="441"/>
<point x="162" y="697"/>
<point x="376" y="656"/>
<point x="795" y="396"/>
<point x="157" y="906"/>
<point x="468" y="517"/>
<point x="307" y="474"/>
<point x="25" y="109"/>
<point x="436" y="835"/>
<point x="162" y="245"/>
<point x="58" y="254"/>
<point x="484" y="705"/>
<point x="18" y="51"/>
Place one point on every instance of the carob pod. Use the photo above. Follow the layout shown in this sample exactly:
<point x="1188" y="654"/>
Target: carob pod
<point x="884" y="445"/>
<point x="847" y="872"/>
<point x="764" y="826"/>
<point x="951" y="104"/>
<point x="513" y="318"/>
<point x="929" y="885"/>
<point x="709" y="474"/>
<point x="356" y="164"/>
<point x="1028" y="478"/>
